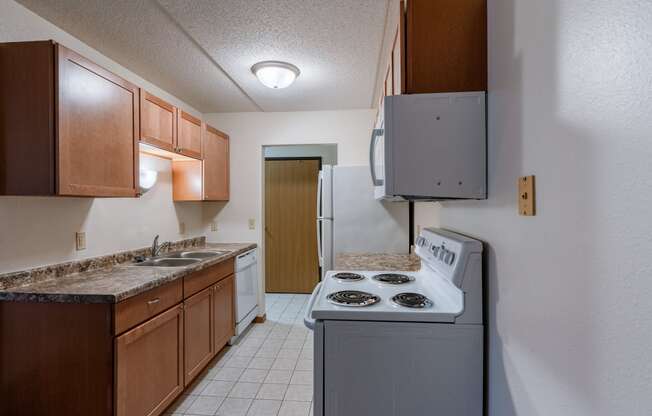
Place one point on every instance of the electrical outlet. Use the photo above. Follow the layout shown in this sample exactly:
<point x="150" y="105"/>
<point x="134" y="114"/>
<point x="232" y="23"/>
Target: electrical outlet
<point x="80" y="241"/>
<point x="252" y="223"/>
<point x="182" y="228"/>
<point x="213" y="226"/>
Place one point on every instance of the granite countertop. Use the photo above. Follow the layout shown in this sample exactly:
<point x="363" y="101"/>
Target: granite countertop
<point x="107" y="284"/>
<point x="377" y="261"/>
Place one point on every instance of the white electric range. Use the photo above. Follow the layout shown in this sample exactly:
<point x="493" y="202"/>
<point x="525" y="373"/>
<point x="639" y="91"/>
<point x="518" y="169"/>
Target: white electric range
<point x="398" y="343"/>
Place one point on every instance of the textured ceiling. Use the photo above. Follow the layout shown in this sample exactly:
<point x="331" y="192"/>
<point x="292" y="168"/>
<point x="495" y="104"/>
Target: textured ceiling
<point x="202" y="51"/>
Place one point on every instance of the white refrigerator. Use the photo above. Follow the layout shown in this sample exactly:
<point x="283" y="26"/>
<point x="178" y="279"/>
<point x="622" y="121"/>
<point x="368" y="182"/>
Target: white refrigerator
<point x="351" y="220"/>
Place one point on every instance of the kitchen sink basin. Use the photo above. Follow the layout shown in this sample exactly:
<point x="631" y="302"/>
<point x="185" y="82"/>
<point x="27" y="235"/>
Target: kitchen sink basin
<point x="168" y="262"/>
<point x="206" y="254"/>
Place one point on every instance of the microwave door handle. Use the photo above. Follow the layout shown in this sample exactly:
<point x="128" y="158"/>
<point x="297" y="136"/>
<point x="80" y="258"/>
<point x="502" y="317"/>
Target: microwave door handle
<point x="375" y="134"/>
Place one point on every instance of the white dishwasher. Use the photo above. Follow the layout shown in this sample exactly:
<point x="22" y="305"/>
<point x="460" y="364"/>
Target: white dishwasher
<point x="246" y="288"/>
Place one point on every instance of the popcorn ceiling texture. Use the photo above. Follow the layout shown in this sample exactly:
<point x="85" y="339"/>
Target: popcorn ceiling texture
<point x="183" y="45"/>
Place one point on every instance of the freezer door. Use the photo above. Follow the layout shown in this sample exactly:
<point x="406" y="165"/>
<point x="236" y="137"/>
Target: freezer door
<point x="325" y="193"/>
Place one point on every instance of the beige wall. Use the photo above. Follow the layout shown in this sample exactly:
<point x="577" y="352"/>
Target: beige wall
<point x="39" y="231"/>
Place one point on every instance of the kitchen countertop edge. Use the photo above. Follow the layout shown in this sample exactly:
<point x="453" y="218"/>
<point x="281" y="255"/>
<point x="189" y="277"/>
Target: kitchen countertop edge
<point x="164" y="275"/>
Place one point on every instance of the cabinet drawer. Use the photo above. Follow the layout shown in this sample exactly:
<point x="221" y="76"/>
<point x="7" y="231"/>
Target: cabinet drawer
<point x="204" y="278"/>
<point x="139" y="308"/>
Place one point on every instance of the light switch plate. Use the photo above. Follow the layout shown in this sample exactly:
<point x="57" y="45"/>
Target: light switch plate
<point x="252" y="223"/>
<point x="213" y="226"/>
<point x="80" y="241"/>
<point x="526" y="199"/>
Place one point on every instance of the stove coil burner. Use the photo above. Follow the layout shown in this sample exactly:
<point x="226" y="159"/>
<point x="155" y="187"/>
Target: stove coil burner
<point x="393" y="278"/>
<point x="412" y="300"/>
<point x="348" y="277"/>
<point x="353" y="298"/>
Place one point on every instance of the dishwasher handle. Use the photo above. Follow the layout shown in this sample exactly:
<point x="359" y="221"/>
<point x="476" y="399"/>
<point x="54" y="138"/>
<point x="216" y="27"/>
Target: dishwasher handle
<point x="307" y="319"/>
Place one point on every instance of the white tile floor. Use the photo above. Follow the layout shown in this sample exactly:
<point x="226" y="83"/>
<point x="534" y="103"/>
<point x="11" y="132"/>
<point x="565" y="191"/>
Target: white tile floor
<point x="268" y="373"/>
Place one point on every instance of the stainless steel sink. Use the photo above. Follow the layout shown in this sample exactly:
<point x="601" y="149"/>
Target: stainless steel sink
<point x="204" y="254"/>
<point x="168" y="262"/>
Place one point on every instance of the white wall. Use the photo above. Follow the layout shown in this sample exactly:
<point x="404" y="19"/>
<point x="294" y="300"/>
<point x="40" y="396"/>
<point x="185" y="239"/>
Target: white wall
<point x="39" y="231"/>
<point x="249" y="132"/>
<point x="570" y="290"/>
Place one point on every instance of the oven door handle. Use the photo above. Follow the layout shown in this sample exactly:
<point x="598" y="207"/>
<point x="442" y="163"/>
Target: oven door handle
<point x="307" y="319"/>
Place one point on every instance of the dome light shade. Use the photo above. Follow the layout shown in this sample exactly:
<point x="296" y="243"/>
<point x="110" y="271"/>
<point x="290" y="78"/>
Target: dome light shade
<point x="275" y="74"/>
<point x="147" y="179"/>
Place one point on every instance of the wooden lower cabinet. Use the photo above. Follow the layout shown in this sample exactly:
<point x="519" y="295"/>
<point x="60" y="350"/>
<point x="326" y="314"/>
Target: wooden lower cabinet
<point x="149" y="365"/>
<point x="223" y="312"/>
<point x="198" y="333"/>
<point x="133" y="358"/>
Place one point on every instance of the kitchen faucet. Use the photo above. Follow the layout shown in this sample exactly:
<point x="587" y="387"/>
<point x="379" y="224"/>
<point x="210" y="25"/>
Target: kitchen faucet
<point x="156" y="249"/>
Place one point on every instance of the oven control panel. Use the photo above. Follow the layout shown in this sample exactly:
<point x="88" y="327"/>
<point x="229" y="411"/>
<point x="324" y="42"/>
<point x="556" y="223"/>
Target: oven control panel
<point x="437" y="252"/>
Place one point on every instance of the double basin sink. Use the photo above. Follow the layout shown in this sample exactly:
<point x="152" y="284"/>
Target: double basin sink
<point x="180" y="259"/>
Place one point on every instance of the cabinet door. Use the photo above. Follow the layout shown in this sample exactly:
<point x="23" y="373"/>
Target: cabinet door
<point x="158" y="122"/>
<point x="189" y="135"/>
<point x="97" y="130"/>
<point x="223" y="312"/>
<point x="149" y="365"/>
<point x="216" y="165"/>
<point x="198" y="333"/>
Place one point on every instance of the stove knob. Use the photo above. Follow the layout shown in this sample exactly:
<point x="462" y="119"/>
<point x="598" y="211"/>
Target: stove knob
<point x="449" y="258"/>
<point x="421" y="241"/>
<point x="434" y="250"/>
<point x="442" y="253"/>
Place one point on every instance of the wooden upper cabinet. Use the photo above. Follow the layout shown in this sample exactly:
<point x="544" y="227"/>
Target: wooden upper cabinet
<point x="149" y="365"/>
<point x="158" y="122"/>
<point x="446" y="46"/>
<point x="216" y="165"/>
<point x="189" y="135"/>
<point x="439" y="46"/>
<point x="73" y="131"/>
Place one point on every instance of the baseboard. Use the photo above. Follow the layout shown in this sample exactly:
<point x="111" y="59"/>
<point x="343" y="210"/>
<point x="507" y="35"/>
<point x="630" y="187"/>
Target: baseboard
<point x="260" y="319"/>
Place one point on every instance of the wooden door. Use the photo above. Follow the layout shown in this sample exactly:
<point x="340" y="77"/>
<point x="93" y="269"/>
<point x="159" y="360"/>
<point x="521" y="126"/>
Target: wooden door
<point x="198" y="333"/>
<point x="291" y="262"/>
<point x="189" y="135"/>
<point x="216" y="165"/>
<point x="98" y="127"/>
<point x="149" y="365"/>
<point x="158" y="122"/>
<point x="223" y="312"/>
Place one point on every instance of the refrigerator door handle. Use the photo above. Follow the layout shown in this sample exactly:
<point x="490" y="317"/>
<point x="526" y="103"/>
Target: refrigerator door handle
<point x="320" y="184"/>
<point x="320" y="254"/>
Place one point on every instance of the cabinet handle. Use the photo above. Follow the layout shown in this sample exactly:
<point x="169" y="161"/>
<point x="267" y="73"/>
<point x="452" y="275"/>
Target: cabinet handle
<point x="154" y="301"/>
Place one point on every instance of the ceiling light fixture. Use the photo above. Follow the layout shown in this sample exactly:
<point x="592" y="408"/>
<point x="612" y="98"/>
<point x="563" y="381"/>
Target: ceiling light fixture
<point x="275" y="74"/>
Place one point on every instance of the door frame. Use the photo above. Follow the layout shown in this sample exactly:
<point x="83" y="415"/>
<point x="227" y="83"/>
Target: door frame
<point x="264" y="212"/>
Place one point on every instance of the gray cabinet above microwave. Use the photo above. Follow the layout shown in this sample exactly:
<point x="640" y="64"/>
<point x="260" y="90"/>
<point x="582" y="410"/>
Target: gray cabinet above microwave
<point x="430" y="147"/>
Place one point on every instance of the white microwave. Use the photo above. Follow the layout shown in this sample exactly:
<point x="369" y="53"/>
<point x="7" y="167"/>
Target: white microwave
<point x="430" y="147"/>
